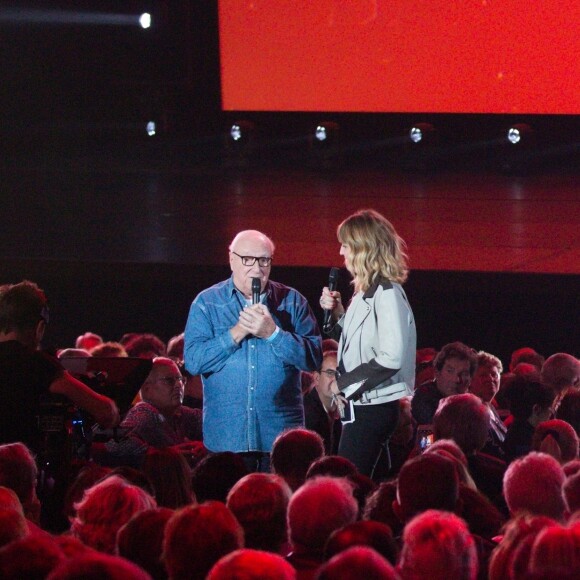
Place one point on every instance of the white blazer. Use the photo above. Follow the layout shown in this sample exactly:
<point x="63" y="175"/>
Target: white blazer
<point x="378" y="342"/>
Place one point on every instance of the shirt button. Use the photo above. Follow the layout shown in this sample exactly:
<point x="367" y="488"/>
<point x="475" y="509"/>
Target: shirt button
<point x="253" y="366"/>
<point x="253" y="346"/>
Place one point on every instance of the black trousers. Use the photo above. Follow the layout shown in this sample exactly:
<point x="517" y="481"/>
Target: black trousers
<point x="363" y="440"/>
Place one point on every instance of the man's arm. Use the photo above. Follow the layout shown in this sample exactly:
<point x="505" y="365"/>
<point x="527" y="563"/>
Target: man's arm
<point x="103" y="409"/>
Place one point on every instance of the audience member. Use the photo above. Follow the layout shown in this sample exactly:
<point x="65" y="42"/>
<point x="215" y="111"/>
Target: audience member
<point x="526" y="354"/>
<point x="159" y="420"/>
<point x="424" y="370"/>
<point x="530" y="403"/>
<point x="465" y="419"/>
<point x="428" y="481"/>
<point x="557" y="438"/>
<point x="30" y="558"/>
<point x="140" y="540"/>
<point x="73" y="353"/>
<point x="18" y="472"/>
<point x="437" y="545"/>
<point x="260" y="502"/>
<point x="561" y="371"/>
<point x="293" y="452"/>
<point x="569" y="409"/>
<point x="249" y="564"/>
<point x="106" y="507"/>
<point x="145" y="346"/>
<point x="556" y="551"/>
<point x="27" y="374"/>
<point x="108" y="350"/>
<point x="320" y="411"/>
<point x="318" y="508"/>
<point x="13" y="525"/>
<point x="175" y="348"/>
<point x="571" y="491"/>
<point x="333" y="465"/>
<point x="379" y="506"/>
<point x="455" y="366"/>
<point x="449" y="449"/>
<point x="356" y="563"/>
<point x="170" y="475"/>
<point x="375" y="535"/>
<point x="518" y="536"/>
<point x="534" y="483"/>
<point x="485" y="385"/>
<point x="95" y="566"/>
<point x="215" y="475"/>
<point x="196" y="537"/>
<point x="88" y="341"/>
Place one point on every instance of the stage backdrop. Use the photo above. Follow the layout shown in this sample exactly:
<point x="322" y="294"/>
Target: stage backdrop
<point x="400" y="56"/>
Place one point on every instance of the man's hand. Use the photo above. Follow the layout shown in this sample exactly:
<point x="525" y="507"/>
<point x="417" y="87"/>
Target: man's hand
<point x="257" y="320"/>
<point x="191" y="449"/>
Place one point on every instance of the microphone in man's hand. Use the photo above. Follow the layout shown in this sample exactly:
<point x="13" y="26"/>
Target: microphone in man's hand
<point x="332" y="283"/>
<point x="256" y="289"/>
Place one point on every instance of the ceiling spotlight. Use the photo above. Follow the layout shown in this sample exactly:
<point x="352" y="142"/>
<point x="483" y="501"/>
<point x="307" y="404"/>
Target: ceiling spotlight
<point x="422" y="132"/>
<point x="151" y="128"/>
<point x="320" y="133"/>
<point x="236" y="132"/>
<point x="519" y="133"/>
<point x="241" y="132"/>
<point x="326" y="133"/>
<point x="145" y="20"/>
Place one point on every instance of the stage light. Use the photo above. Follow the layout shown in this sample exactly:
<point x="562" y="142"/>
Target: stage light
<point x="320" y="133"/>
<point x="151" y="128"/>
<point x="422" y="133"/>
<point x="324" y="144"/>
<point x="145" y="20"/>
<point x="520" y="134"/>
<point x="240" y="143"/>
<point x="518" y="152"/>
<point x="420" y="152"/>
<point x="241" y="133"/>
<point x="326" y="133"/>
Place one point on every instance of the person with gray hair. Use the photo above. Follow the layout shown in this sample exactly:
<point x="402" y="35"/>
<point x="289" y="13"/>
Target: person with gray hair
<point x="561" y="371"/>
<point x="534" y="483"/>
<point x="249" y="337"/>
<point x="318" y="508"/>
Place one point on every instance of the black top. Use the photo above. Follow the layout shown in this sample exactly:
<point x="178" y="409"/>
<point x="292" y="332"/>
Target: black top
<point x="25" y="377"/>
<point x="425" y="402"/>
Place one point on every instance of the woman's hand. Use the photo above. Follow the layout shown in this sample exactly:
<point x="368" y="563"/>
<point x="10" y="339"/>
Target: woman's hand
<point x="331" y="300"/>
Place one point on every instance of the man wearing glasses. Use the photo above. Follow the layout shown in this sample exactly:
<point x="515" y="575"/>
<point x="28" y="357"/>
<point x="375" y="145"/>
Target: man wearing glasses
<point x="250" y="355"/>
<point x="158" y="420"/>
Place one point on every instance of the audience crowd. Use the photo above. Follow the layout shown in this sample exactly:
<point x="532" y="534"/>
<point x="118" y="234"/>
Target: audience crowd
<point x="480" y="480"/>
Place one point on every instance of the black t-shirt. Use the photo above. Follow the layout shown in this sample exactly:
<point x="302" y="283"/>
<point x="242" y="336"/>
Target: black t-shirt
<point x="25" y="378"/>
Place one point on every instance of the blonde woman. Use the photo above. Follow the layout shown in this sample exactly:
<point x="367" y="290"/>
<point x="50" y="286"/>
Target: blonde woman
<point x="377" y="335"/>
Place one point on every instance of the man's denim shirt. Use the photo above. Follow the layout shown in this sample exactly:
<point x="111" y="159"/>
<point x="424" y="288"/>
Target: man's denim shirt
<point x="251" y="390"/>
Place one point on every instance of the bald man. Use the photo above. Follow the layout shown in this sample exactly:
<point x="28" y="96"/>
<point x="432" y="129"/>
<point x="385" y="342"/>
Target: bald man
<point x="250" y="355"/>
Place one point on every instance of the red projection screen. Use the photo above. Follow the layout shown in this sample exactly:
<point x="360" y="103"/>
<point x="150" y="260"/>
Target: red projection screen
<point x="401" y="56"/>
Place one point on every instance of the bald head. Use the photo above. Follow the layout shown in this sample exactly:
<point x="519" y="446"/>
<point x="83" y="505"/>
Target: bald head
<point x="250" y="236"/>
<point x="246" y="245"/>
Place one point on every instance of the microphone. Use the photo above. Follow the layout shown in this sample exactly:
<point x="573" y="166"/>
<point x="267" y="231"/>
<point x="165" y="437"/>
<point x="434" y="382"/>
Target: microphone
<point x="256" y="289"/>
<point x="332" y="281"/>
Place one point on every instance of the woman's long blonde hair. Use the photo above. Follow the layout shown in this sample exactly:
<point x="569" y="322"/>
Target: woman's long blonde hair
<point x="377" y="250"/>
